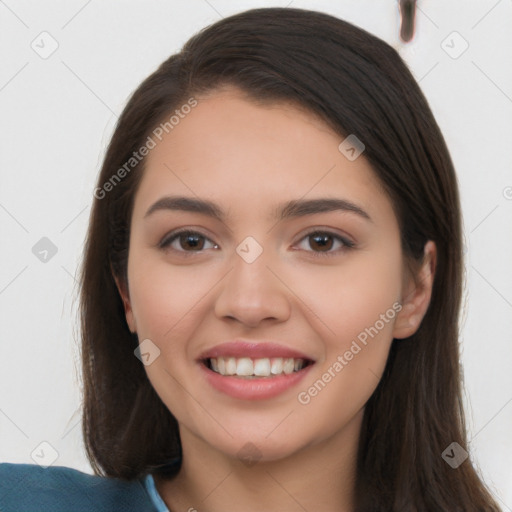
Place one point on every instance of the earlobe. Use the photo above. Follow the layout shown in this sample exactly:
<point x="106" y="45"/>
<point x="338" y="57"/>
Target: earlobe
<point x="416" y="295"/>
<point x="125" y="297"/>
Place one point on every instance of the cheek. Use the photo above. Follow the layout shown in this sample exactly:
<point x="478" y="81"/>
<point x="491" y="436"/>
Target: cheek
<point x="169" y="304"/>
<point x="346" y="299"/>
<point x="357" y="311"/>
<point x="168" y="301"/>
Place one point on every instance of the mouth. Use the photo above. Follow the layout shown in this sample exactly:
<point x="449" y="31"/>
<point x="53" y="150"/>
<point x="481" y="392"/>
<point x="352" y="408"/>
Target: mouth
<point x="255" y="368"/>
<point x="247" y="370"/>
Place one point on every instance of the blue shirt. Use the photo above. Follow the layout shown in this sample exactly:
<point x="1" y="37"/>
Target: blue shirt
<point x="31" y="488"/>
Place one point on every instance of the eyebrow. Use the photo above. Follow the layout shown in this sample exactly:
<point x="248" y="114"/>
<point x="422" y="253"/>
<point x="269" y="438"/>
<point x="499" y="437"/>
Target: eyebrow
<point x="289" y="209"/>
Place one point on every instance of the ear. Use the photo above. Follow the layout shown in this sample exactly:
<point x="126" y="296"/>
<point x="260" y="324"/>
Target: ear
<point x="125" y="297"/>
<point x="416" y="294"/>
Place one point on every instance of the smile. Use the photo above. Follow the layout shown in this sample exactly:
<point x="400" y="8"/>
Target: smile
<point x="250" y="368"/>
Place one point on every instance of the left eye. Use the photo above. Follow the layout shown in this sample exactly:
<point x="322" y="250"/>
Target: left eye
<point x="321" y="242"/>
<point x="324" y="241"/>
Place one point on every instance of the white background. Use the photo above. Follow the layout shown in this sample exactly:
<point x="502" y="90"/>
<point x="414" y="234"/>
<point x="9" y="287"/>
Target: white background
<point x="56" y="117"/>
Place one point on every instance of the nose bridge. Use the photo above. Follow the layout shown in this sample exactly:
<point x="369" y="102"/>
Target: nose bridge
<point x="250" y="274"/>
<point x="250" y="264"/>
<point x="250" y="291"/>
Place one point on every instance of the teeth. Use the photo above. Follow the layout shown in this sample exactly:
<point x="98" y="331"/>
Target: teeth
<point x="262" y="367"/>
<point x="288" y="366"/>
<point x="244" y="366"/>
<point x="277" y="366"/>
<point x="247" y="367"/>
<point x="231" y="366"/>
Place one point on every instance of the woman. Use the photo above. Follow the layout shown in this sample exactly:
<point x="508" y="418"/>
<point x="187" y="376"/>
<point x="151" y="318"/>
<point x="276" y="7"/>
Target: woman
<point x="271" y="286"/>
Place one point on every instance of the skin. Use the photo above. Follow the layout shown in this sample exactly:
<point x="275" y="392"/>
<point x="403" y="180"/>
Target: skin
<point x="248" y="158"/>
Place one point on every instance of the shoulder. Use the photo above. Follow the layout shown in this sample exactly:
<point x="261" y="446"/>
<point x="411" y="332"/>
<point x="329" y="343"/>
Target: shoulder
<point x="59" y="489"/>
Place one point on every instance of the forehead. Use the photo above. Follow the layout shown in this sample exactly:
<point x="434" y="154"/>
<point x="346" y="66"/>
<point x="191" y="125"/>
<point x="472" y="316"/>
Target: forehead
<point x="233" y="149"/>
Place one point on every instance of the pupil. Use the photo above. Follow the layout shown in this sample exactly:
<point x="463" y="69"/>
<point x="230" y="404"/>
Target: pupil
<point x="192" y="240"/>
<point x="321" y="240"/>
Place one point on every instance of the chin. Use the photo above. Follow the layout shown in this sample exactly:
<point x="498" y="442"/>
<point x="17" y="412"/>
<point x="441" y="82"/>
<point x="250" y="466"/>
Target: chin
<point x="254" y="447"/>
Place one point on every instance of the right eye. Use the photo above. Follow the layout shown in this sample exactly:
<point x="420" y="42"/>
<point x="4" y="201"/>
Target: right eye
<point x="182" y="241"/>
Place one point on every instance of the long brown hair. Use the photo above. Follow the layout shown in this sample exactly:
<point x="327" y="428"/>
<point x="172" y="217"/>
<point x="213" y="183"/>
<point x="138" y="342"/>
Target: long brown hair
<point x="359" y="85"/>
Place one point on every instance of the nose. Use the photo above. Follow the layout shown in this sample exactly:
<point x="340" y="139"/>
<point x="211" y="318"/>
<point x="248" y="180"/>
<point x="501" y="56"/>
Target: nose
<point x="253" y="292"/>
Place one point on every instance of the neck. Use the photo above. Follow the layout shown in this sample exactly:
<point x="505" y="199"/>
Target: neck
<point x="318" y="477"/>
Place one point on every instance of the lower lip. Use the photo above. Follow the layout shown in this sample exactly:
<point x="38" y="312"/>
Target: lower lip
<point x="255" y="388"/>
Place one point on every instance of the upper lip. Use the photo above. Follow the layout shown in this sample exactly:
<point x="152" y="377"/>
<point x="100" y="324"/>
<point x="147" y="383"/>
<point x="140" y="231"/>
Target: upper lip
<point x="252" y="349"/>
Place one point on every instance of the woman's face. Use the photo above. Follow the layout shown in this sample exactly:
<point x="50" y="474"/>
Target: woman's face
<point x="262" y="289"/>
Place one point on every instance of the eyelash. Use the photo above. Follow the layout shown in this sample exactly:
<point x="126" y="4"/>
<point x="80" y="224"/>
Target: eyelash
<point x="347" y="244"/>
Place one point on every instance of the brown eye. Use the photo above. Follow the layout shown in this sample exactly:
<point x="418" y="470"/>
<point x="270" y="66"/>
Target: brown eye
<point x="186" y="241"/>
<point x="191" y="241"/>
<point x="322" y="243"/>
